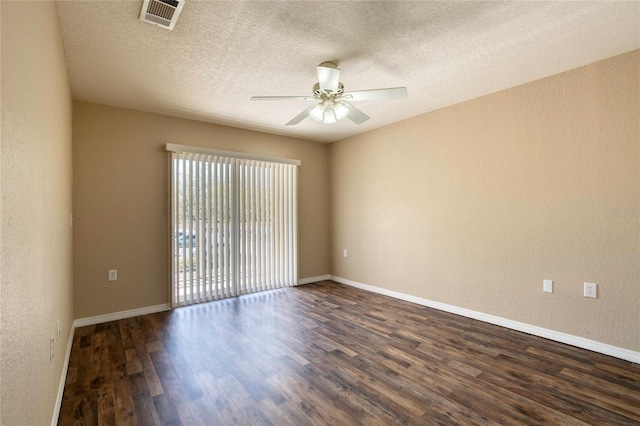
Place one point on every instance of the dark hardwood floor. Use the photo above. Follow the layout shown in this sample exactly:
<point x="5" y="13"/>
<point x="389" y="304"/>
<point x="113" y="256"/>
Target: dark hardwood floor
<point x="328" y="354"/>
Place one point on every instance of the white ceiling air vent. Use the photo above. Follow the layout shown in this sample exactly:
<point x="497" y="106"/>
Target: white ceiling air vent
<point x="163" y="13"/>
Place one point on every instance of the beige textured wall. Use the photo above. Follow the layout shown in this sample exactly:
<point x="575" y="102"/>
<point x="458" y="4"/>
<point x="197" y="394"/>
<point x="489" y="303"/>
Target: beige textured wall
<point x="474" y="205"/>
<point x="36" y="235"/>
<point x="120" y="201"/>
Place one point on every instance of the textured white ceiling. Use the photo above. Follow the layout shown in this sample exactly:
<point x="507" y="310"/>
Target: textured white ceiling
<point x="223" y="52"/>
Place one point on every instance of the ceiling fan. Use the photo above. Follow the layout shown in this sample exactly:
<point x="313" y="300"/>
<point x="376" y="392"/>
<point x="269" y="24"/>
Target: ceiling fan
<point x="332" y="102"/>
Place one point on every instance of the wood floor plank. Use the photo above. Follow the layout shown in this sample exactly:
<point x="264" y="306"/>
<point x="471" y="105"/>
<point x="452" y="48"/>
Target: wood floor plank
<point x="106" y="406"/>
<point x="272" y="412"/>
<point x="123" y="399"/>
<point x="190" y="415"/>
<point x="327" y="354"/>
<point x="79" y="410"/>
<point x="315" y="404"/>
<point x="166" y="411"/>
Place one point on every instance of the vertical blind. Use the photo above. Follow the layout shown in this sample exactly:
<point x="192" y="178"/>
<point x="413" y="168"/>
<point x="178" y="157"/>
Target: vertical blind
<point x="233" y="226"/>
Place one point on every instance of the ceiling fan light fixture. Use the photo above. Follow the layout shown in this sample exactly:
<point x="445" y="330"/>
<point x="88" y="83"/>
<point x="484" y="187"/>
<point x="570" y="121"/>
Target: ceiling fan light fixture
<point x="329" y="116"/>
<point x="341" y="110"/>
<point x="317" y="112"/>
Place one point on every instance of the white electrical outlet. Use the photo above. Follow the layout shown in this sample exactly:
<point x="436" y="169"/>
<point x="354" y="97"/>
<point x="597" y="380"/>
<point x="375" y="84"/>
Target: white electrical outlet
<point x="51" y="345"/>
<point x="591" y="290"/>
<point x="58" y="330"/>
<point x="547" y="286"/>
<point x="344" y="252"/>
<point x="113" y="275"/>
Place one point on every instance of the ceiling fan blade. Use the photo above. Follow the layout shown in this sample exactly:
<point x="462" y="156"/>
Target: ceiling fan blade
<point x="355" y="114"/>
<point x="298" y="118"/>
<point x="283" y="98"/>
<point x="328" y="77"/>
<point x="376" y="94"/>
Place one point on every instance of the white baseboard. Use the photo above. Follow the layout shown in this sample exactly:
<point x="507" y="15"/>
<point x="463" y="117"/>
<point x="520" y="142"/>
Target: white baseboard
<point x="557" y="336"/>
<point x="313" y="279"/>
<point x="81" y="322"/>
<point x="63" y="378"/>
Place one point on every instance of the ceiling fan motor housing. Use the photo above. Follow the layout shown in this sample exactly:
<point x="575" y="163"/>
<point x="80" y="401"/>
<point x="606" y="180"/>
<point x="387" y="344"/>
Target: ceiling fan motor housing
<point x="318" y="93"/>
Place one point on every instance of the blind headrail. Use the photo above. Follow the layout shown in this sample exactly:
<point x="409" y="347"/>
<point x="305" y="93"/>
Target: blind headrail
<point x="172" y="147"/>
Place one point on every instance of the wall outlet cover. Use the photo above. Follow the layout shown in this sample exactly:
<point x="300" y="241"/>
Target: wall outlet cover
<point x="591" y="290"/>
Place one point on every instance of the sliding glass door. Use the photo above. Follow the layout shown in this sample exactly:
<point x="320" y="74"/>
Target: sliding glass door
<point x="233" y="226"/>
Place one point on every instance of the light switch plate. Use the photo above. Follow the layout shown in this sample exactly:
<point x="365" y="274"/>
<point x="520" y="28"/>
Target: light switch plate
<point x="113" y="275"/>
<point x="547" y="286"/>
